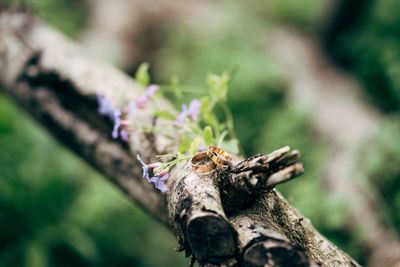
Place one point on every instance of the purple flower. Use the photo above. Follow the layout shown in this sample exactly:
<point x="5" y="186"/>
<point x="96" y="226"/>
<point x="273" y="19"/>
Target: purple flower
<point x="124" y="135"/>
<point x="180" y="119"/>
<point x="145" y="168"/>
<point x="194" y="109"/>
<point x="120" y="123"/>
<point x="116" y="114"/>
<point x="151" y="90"/>
<point x="193" y="112"/>
<point x="142" y="101"/>
<point x="106" y="106"/>
<point x="159" y="179"/>
<point x="117" y="123"/>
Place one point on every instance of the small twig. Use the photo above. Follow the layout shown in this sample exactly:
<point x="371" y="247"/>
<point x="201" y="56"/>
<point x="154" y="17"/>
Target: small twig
<point x="284" y="175"/>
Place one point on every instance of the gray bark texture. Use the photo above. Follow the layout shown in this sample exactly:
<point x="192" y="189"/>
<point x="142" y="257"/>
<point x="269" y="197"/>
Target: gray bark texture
<point x="233" y="217"/>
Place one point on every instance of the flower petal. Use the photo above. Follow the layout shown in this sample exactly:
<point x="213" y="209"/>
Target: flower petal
<point x="194" y="109"/>
<point x="124" y="135"/>
<point x="152" y="89"/>
<point x="154" y="179"/>
<point x="164" y="176"/>
<point x="105" y="105"/>
<point x="116" y="114"/>
<point x="162" y="186"/>
<point x="180" y="119"/>
<point x="117" y="123"/>
<point x="145" y="168"/>
<point x="142" y="101"/>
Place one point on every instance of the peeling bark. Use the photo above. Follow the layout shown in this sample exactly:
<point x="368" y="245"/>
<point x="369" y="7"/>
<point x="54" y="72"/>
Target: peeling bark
<point x="56" y="83"/>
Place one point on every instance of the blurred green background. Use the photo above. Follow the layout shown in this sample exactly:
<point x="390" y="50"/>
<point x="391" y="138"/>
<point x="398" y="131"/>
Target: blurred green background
<point x="56" y="211"/>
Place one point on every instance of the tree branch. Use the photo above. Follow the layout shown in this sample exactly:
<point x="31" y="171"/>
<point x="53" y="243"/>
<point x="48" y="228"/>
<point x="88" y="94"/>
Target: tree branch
<point x="54" y="81"/>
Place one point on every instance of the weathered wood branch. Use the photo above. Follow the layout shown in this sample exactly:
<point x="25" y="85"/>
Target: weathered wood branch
<point x="255" y="175"/>
<point x="56" y="83"/>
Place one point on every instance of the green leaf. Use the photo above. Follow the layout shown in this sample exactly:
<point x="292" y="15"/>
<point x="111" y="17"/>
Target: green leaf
<point x="208" y="135"/>
<point x="219" y="85"/>
<point x="232" y="146"/>
<point x="165" y="114"/>
<point x="185" y="143"/>
<point x="205" y="105"/>
<point x="194" y="146"/>
<point x="142" y="74"/>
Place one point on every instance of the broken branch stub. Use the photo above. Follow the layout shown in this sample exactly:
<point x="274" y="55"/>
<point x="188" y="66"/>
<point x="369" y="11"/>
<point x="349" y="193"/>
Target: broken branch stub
<point x="253" y="176"/>
<point x="263" y="244"/>
<point x="199" y="219"/>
